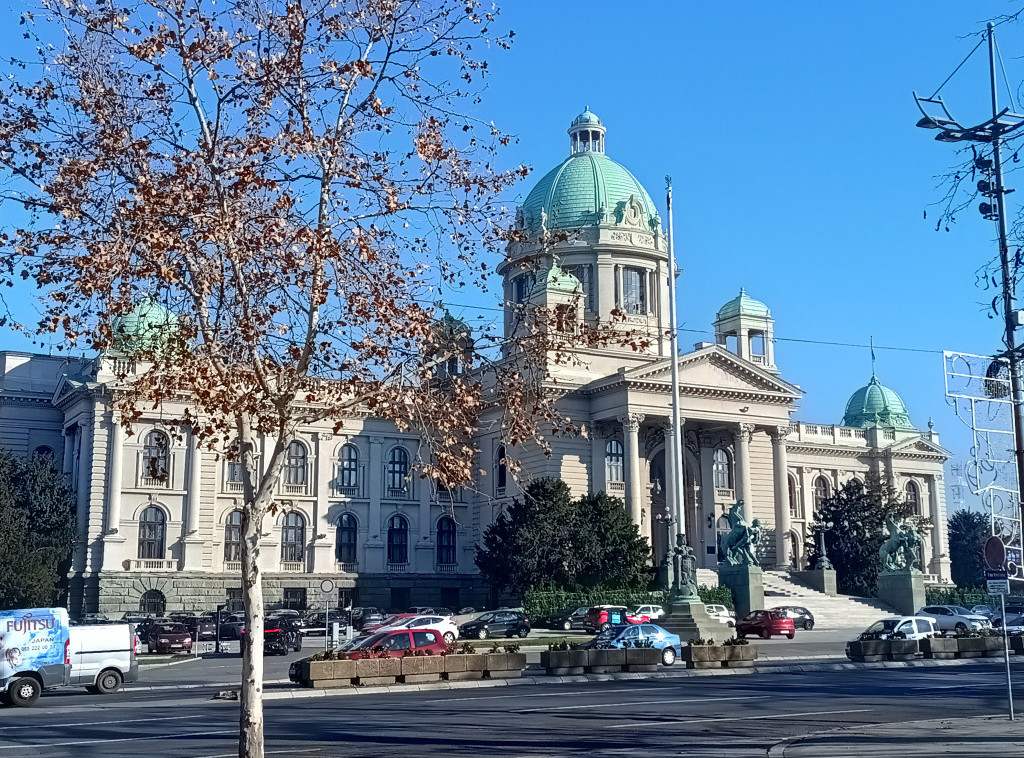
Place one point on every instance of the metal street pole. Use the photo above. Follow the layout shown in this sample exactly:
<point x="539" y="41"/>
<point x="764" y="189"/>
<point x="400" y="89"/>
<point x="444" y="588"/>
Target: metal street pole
<point x="1009" y="314"/>
<point x="1006" y="654"/>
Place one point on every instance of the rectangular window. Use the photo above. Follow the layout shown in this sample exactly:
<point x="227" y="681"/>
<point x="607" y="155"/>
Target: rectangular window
<point x="585" y="274"/>
<point x="295" y="598"/>
<point x="235" y="604"/>
<point x="634" y="291"/>
<point x="522" y="286"/>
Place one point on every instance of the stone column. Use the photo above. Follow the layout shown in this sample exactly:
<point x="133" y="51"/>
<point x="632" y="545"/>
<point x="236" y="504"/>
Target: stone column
<point x="631" y="434"/>
<point x="422" y="558"/>
<point x="605" y="287"/>
<point x="742" y="437"/>
<point x="323" y="472"/>
<point x="114" y="482"/>
<point x="374" y="489"/>
<point x="69" y="451"/>
<point x="939" y="564"/>
<point x="83" y="473"/>
<point x="597" y="463"/>
<point x="783" y="521"/>
<point x="707" y="495"/>
<point x="193" y="542"/>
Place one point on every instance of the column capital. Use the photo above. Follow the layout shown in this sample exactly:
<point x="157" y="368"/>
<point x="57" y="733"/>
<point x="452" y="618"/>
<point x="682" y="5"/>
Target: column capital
<point x="377" y="440"/>
<point x="780" y="433"/>
<point x="745" y="430"/>
<point x="631" y="421"/>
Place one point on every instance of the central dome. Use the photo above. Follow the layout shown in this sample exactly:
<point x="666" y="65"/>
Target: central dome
<point x="588" y="188"/>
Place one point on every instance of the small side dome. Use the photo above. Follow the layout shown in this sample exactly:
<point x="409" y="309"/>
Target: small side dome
<point x="560" y="280"/>
<point x="875" y="405"/>
<point x="744" y="305"/>
<point x="149" y="326"/>
<point x="588" y="118"/>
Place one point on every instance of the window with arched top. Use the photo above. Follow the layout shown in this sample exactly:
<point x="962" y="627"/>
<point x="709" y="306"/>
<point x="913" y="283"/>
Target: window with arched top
<point x="152" y="533"/>
<point x="446" y="541"/>
<point x="233" y="536"/>
<point x="397" y="472"/>
<point x="295" y="465"/>
<point x="44" y="451"/>
<point x="855" y="482"/>
<point x="153" y="602"/>
<point x="794" y="507"/>
<point x="293" y="538"/>
<point x="822" y="490"/>
<point x="398" y="540"/>
<point x="348" y="467"/>
<point x="156" y="449"/>
<point x="721" y="469"/>
<point x="501" y="469"/>
<point x="912" y="496"/>
<point x="614" y="461"/>
<point x="345" y="546"/>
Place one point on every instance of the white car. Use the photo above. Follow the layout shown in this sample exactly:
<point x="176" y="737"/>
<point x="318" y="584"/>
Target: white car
<point x="955" y="618"/>
<point x="721" y="614"/>
<point x="908" y="627"/>
<point x="449" y="629"/>
<point x="653" y="612"/>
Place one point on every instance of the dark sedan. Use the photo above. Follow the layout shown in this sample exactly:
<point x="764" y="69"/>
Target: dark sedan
<point x="169" y="637"/>
<point x="802" y="618"/>
<point x="496" y="624"/>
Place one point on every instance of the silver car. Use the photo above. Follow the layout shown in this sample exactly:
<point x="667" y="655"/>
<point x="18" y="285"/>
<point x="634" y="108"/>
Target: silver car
<point x="955" y="618"/>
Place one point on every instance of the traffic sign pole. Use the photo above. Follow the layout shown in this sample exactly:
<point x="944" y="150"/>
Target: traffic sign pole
<point x="1006" y="655"/>
<point x="327" y="587"/>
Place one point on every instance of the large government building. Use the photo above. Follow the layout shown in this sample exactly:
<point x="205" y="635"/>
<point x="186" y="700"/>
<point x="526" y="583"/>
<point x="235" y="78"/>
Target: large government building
<point x="159" y="519"/>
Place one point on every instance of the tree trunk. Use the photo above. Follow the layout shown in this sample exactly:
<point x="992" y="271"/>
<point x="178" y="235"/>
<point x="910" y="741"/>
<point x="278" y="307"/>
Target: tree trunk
<point x="250" y="735"/>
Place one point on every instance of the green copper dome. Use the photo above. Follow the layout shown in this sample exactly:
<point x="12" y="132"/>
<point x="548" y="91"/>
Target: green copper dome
<point x="875" y="405"/>
<point x="744" y="305"/>
<point x="587" y="188"/>
<point x="560" y="280"/>
<point x="148" y="326"/>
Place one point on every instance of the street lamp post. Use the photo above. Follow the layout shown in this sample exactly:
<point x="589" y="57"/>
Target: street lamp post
<point x="993" y="132"/>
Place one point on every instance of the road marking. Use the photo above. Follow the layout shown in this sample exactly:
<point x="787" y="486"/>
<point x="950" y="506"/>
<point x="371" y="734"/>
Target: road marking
<point x="595" y="691"/>
<point x="266" y="752"/>
<point x="639" y="702"/>
<point x="97" y="723"/>
<point x="51" y="745"/>
<point x="705" y="720"/>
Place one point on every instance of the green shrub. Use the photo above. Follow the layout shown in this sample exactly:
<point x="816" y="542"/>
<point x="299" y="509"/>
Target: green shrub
<point x="544" y="604"/>
<point x="959" y="596"/>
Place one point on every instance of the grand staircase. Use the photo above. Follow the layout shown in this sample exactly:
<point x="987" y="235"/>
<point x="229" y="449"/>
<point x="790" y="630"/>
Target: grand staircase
<point x="840" y="612"/>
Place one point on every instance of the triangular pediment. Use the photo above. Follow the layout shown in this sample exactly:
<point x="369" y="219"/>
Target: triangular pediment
<point x="919" y="446"/>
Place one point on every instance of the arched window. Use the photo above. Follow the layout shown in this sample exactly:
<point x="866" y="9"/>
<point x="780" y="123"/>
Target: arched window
<point x="794" y="506"/>
<point x="855" y="482"/>
<point x="152" y="533"/>
<point x="153" y="602"/>
<point x="912" y="496"/>
<point x="398" y="540"/>
<point x="501" y="469"/>
<point x="397" y="472"/>
<point x="721" y="469"/>
<point x="293" y="538"/>
<point x="233" y="536"/>
<point x="348" y="467"/>
<point x="822" y="489"/>
<point x="722" y="528"/>
<point x="44" y="451"/>
<point x="156" y="456"/>
<point x="446" y="541"/>
<point x="345" y="546"/>
<point x="614" y="458"/>
<point x="295" y="465"/>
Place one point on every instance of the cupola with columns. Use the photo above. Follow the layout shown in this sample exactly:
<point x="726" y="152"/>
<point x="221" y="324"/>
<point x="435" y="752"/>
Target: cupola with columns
<point x="744" y="326"/>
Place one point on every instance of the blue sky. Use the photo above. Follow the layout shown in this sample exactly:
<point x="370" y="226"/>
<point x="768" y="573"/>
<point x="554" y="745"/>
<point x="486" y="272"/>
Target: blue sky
<point x="788" y="129"/>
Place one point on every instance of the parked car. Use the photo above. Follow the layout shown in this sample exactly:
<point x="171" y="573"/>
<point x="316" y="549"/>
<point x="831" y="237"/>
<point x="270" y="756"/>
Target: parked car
<point x="448" y="628"/>
<point x="89" y="619"/>
<point x="955" y="618"/>
<point x="497" y="624"/>
<point x="103" y="657"/>
<point x="169" y="637"/>
<point x="232" y="628"/>
<point x="569" y="619"/>
<point x="400" y="642"/>
<point x="199" y="627"/>
<point x="1012" y="609"/>
<point x="135" y="617"/>
<point x="390" y="620"/>
<point x="653" y="612"/>
<point x="601" y="617"/>
<point x="765" y="624"/>
<point x="639" y="635"/>
<point x="366" y="616"/>
<point x="901" y="627"/>
<point x="281" y="635"/>
<point x="1015" y="625"/>
<point x="985" y="610"/>
<point x="802" y="618"/>
<point x="721" y="614"/>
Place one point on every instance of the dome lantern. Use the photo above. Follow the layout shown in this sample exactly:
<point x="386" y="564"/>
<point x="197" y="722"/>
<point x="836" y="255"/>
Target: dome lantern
<point x="586" y="134"/>
<point x="744" y="326"/>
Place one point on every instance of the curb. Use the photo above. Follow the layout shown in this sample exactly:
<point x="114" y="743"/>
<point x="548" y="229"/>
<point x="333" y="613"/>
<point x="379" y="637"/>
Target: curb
<point x="303" y="692"/>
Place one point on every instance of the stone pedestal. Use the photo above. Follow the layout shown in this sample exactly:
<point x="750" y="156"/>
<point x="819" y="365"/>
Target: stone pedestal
<point x="903" y="590"/>
<point x="747" y="587"/>
<point x="823" y="580"/>
<point x="690" y="620"/>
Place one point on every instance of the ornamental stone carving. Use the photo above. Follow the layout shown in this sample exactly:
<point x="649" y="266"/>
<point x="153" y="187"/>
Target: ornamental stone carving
<point x="746" y="430"/>
<point x="631" y="421"/>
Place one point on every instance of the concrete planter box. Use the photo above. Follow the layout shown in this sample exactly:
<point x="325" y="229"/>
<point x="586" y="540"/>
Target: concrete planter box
<point x="904" y="650"/>
<point x="1016" y="644"/>
<point x="417" y="669"/>
<point x="867" y="651"/>
<point x="564" y="662"/>
<point x="375" y="671"/>
<point x="326" y="674"/>
<point x="979" y="647"/>
<point x="740" y="656"/>
<point x="642" y="659"/>
<point x="504" y="665"/>
<point x="317" y="670"/>
<point x="704" y="656"/>
<point x="939" y="647"/>
<point x="605" y="661"/>
<point x="459" y="668"/>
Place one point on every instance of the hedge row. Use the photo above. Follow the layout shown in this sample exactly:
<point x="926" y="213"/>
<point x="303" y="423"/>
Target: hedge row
<point x="542" y="604"/>
<point x="965" y="596"/>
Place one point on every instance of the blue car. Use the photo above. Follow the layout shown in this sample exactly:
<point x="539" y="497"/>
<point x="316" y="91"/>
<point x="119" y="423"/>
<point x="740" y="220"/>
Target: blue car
<point x="641" y="635"/>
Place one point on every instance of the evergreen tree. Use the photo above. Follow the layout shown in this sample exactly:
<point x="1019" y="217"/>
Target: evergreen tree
<point x="968" y="531"/>
<point x="37" y="532"/>
<point x="547" y="540"/>
<point x="853" y="520"/>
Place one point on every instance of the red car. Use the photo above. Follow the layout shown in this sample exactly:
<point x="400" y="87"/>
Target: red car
<point x="765" y="624"/>
<point x="399" y="643"/>
<point x="169" y="637"/>
<point x="602" y="617"/>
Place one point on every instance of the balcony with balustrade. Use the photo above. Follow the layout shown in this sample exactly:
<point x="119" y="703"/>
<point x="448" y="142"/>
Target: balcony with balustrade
<point x="831" y="434"/>
<point x="398" y="568"/>
<point x="617" y="488"/>
<point x="446" y="568"/>
<point x="293" y="567"/>
<point x="346" y="567"/>
<point x="150" y="564"/>
<point x="342" y="485"/>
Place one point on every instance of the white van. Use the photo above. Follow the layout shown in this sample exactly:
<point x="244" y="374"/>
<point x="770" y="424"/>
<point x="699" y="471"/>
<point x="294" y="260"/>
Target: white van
<point x="103" y="657"/>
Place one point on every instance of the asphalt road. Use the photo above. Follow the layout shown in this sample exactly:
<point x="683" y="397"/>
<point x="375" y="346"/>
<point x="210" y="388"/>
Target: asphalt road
<point x="707" y="716"/>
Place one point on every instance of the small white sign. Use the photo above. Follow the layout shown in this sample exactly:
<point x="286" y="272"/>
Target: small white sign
<point x="998" y="586"/>
<point x="327" y="586"/>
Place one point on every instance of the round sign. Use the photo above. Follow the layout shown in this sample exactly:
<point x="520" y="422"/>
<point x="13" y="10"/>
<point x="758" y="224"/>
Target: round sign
<point x="995" y="553"/>
<point x="327" y="586"/>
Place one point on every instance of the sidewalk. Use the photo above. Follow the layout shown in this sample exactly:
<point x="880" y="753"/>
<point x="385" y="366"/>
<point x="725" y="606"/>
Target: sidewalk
<point x="986" y="736"/>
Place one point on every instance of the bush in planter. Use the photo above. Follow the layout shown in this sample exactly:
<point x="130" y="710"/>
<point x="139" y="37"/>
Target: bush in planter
<point x="939" y="647"/>
<point x="977" y="644"/>
<point x="739" y="653"/>
<point x="704" y="654"/>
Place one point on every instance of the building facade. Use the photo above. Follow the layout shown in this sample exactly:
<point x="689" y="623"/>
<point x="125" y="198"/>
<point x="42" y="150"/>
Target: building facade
<point x="159" y="520"/>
